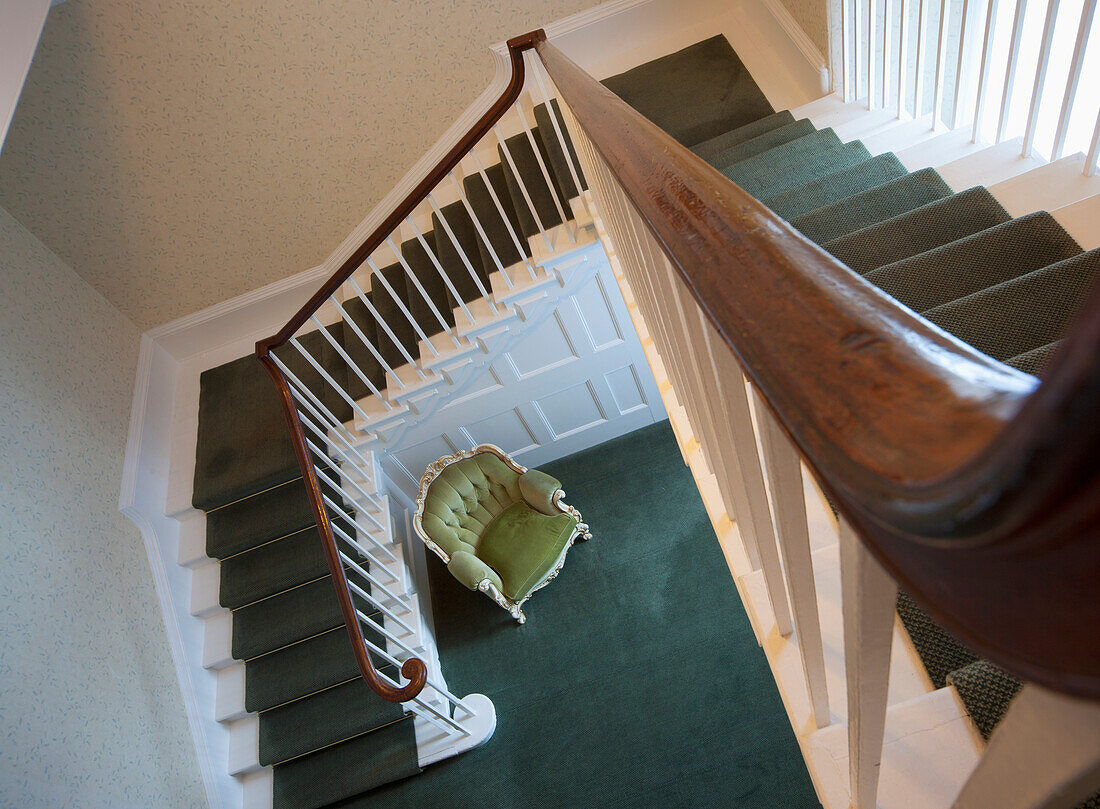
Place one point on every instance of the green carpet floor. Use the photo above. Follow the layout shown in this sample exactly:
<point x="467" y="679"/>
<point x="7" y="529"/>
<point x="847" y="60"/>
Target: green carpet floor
<point x="636" y="680"/>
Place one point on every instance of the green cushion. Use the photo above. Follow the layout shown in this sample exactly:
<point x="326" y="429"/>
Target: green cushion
<point x="523" y="546"/>
<point x="465" y="498"/>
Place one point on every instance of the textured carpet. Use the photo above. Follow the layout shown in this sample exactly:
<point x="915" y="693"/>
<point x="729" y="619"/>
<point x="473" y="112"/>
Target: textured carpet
<point x="636" y="680"/>
<point x="694" y="94"/>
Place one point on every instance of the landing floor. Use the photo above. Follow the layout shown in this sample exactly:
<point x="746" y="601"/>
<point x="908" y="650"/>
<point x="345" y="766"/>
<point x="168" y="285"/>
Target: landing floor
<point x="636" y="680"/>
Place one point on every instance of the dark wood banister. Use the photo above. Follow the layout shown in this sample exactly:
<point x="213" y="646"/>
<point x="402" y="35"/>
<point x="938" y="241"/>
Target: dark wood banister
<point x="412" y="669"/>
<point x="974" y="485"/>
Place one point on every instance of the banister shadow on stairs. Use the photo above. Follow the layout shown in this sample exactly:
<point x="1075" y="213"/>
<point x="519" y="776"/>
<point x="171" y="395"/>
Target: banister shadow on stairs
<point x="975" y="486"/>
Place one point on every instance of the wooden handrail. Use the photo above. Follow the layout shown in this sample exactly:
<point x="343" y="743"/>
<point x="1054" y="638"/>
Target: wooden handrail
<point x="974" y="485"/>
<point x="447" y="163"/>
<point x="413" y="669"/>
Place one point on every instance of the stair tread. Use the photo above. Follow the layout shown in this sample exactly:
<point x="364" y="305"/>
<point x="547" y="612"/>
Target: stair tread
<point x="272" y="568"/>
<point x="290" y="617"/>
<point x="465" y="239"/>
<point x="277" y="512"/>
<point x="545" y="209"/>
<point x="1035" y="362"/>
<point x="694" y="94"/>
<point x="236" y="458"/>
<point x="782" y="156"/>
<point x="719" y="143"/>
<point x="761" y="143"/>
<point x="358" y="313"/>
<point x="939" y="650"/>
<point x="986" y="690"/>
<point x="321" y="720"/>
<point x="806" y="171"/>
<point x="302" y="669"/>
<point x="872" y="206"/>
<point x="975" y="262"/>
<point x="351" y="768"/>
<point x="1022" y="314"/>
<point x="389" y="307"/>
<point x="917" y="231"/>
<point x="559" y="167"/>
<point x="418" y="259"/>
<point x="837" y="186"/>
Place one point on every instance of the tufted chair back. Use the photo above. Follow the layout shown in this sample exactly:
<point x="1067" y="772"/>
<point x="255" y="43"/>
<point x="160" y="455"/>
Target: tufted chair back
<point x="465" y="498"/>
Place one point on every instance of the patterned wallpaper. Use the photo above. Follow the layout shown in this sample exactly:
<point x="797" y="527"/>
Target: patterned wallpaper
<point x="812" y="17"/>
<point x="178" y="153"/>
<point x="89" y="703"/>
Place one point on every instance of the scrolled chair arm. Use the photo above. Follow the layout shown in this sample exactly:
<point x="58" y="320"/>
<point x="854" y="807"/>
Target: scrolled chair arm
<point x="538" y="490"/>
<point x="471" y="571"/>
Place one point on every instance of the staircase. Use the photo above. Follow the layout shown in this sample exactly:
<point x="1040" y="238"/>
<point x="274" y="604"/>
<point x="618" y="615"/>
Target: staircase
<point x="996" y="249"/>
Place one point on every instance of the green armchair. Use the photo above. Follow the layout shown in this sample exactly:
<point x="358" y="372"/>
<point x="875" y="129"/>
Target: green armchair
<point x="499" y="527"/>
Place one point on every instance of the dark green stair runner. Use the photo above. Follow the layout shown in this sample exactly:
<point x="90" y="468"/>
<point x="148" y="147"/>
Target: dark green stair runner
<point x="872" y="206"/>
<point x="1008" y="287"/>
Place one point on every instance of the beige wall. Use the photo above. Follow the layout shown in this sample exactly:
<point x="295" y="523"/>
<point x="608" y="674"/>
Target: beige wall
<point x="177" y="153"/>
<point x="90" y="709"/>
<point x="812" y="17"/>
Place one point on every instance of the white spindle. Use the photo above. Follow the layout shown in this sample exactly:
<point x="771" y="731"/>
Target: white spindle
<point x="305" y="397"/>
<point x="859" y="45"/>
<point x="545" y="172"/>
<point x="462" y="254"/>
<point x="1040" y="78"/>
<point x="420" y="288"/>
<point x="922" y="57"/>
<point x="335" y="469"/>
<point x="983" y="70"/>
<point x="872" y="36"/>
<point x="1013" y="63"/>
<point x="376" y="275"/>
<point x="503" y="144"/>
<point x="961" y="67"/>
<point x="539" y="72"/>
<point x="503" y="216"/>
<point x="352" y="521"/>
<point x="868" y="597"/>
<point x="332" y="382"/>
<point x="941" y="68"/>
<point x="332" y="341"/>
<point x="1077" y="63"/>
<point x="382" y="321"/>
<point x="792" y="532"/>
<point x="848" y="48"/>
<point x="439" y="269"/>
<point x="1094" y="150"/>
<point x="480" y="230"/>
<point x="348" y="498"/>
<point x="887" y="64"/>
<point x="903" y="57"/>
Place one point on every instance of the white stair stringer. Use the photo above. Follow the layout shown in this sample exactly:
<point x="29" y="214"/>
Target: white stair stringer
<point x="532" y="301"/>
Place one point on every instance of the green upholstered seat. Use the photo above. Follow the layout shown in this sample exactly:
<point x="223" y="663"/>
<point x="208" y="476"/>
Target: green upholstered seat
<point x="500" y="528"/>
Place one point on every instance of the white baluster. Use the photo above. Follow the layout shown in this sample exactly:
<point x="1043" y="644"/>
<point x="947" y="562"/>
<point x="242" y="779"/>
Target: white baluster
<point x="941" y="68"/>
<point x="869" y="596"/>
<point x="1040" y="78"/>
<point x="1013" y="64"/>
<point x="793" y="535"/>
<point x="1045" y="754"/>
<point x="1077" y="64"/>
<point x="983" y="70"/>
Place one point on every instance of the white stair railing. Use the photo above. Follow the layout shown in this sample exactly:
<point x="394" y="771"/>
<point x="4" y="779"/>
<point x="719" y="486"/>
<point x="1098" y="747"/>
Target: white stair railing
<point x="709" y="383"/>
<point x="1028" y="69"/>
